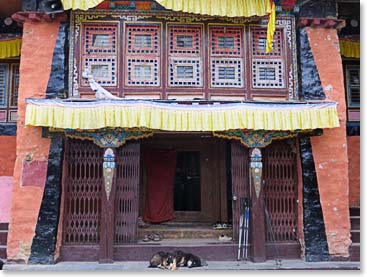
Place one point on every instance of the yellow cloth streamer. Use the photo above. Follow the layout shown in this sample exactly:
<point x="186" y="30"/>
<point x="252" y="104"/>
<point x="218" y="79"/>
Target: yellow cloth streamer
<point x="350" y="49"/>
<point x="10" y="48"/>
<point x="228" y="8"/>
<point x="178" y="118"/>
<point x="80" y="4"/>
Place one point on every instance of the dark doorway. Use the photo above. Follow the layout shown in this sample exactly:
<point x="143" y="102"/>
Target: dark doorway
<point x="187" y="189"/>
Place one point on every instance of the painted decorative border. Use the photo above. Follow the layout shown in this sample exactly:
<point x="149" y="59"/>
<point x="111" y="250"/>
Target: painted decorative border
<point x="259" y="138"/>
<point x="106" y="138"/>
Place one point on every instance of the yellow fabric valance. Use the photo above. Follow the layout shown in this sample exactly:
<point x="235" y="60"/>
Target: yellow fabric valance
<point x="80" y="4"/>
<point x="350" y="49"/>
<point x="10" y="48"/>
<point x="228" y="8"/>
<point x="179" y="117"/>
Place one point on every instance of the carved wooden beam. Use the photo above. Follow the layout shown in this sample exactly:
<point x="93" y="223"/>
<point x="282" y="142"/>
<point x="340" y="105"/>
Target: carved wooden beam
<point x="22" y="17"/>
<point x="105" y="138"/>
<point x="321" y="23"/>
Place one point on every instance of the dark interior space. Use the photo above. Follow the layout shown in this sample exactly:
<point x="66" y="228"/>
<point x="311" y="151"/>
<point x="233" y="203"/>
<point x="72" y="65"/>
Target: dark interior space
<point x="187" y="182"/>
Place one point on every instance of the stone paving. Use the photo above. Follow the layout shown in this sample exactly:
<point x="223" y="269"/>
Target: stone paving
<point x="211" y="265"/>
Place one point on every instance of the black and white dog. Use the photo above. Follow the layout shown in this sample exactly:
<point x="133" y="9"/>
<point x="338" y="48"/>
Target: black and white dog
<point x="173" y="260"/>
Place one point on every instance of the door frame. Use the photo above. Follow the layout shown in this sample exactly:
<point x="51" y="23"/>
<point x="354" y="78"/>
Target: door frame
<point x="213" y="186"/>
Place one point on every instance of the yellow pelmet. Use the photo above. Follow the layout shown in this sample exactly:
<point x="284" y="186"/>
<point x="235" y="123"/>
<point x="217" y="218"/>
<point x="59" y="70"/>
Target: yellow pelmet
<point x="80" y="4"/>
<point x="180" y="119"/>
<point x="350" y="49"/>
<point x="230" y="8"/>
<point x="10" y="48"/>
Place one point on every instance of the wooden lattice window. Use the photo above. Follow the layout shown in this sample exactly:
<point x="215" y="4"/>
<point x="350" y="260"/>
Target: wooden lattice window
<point x="161" y="57"/>
<point x="143" y="54"/>
<point x="185" y="55"/>
<point x="268" y="69"/>
<point x="100" y="53"/>
<point x="352" y="84"/>
<point x="9" y="83"/>
<point x="226" y="61"/>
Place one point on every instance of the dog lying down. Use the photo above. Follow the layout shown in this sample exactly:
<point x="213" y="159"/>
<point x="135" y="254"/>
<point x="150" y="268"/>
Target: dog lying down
<point x="173" y="260"/>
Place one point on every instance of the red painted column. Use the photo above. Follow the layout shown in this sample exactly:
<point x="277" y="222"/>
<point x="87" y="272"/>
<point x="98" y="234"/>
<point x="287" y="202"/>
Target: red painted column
<point x="330" y="150"/>
<point x="32" y="150"/>
<point x="257" y="218"/>
<point x="354" y="170"/>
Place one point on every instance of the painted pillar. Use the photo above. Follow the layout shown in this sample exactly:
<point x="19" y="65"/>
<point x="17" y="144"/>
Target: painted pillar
<point x="257" y="220"/>
<point x="108" y="200"/>
<point x="32" y="150"/>
<point x="330" y="150"/>
<point x="354" y="144"/>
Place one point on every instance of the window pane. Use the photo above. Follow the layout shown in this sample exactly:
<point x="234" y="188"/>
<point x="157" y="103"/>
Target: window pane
<point x="99" y="71"/>
<point x="353" y="83"/>
<point x="101" y="40"/>
<point x="143" y="41"/>
<point x="143" y="71"/>
<point x="267" y="74"/>
<point x="226" y="73"/>
<point x="15" y="85"/>
<point x="3" y="82"/>
<point x="184" y="41"/>
<point x="185" y="72"/>
<point x="354" y="96"/>
<point x="226" y="42"/>
<point x="354" y="77"/>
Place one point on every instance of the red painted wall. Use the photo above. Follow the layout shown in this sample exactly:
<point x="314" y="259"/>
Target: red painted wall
<point x="330" y="150"/>
<point x="37" y="50"/>
<point x="7" y="155"/>
<point x="354" y="170"/>
<point x="7" y="160"/>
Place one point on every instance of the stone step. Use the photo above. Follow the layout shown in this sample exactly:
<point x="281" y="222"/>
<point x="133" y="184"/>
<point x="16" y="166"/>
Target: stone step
<point x="356" y="236"/>
<point x="184" y="232"/>
<point x="355" y="252"/>
<point x="355" y="222"/>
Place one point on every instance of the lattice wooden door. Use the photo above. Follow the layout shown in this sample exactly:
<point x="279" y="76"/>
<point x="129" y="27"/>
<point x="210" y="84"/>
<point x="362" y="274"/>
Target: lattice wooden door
<point x="83" y="182"/>
<point x="127" y="193"/>
<point x="280" y="175"/>
<point x="240" y="180"/>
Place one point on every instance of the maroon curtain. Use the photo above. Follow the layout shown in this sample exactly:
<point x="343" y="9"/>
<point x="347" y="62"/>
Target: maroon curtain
<point x="161" y="169"/>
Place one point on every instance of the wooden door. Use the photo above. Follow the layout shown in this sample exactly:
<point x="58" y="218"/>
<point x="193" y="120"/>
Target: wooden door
<point x="240" y="181"/>
<point x="127" y="193"/>
<point x="280" y="176"/>
<point x="82" y="184"/>
<point x="212" y="174"/>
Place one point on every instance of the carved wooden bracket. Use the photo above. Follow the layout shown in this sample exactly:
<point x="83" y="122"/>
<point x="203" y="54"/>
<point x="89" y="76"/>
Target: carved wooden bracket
<point x="321" y="23"/>
<point x="105" y="138"/>
<point x="258" y="138"/>
<point x="22" y="17"/>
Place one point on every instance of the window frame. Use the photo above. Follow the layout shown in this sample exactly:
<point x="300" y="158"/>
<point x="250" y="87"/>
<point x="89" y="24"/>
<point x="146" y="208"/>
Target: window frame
<point x="8" y="108"/>
<point x="288" y="90"/>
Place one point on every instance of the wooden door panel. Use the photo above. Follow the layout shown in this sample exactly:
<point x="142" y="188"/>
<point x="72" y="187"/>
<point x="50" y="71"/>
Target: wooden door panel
<point x="280" y="176"/>
<point x="82" y="184"/>
<point x="127" y="193"/>
<point x="240" y="181"/>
